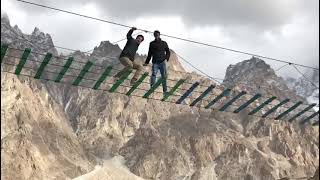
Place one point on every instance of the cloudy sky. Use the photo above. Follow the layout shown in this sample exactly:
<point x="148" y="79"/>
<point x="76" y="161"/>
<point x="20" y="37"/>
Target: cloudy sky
<point x="283" y="29"/>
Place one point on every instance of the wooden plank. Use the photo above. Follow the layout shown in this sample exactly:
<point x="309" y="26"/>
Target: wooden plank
<point x="120" y="81"/>
<point x="302" y="112"/>
<point x="288" y="110"/>
<point x="137" y="83"/>
<point x="309" y="118"/>
<point x="173" y="90"/>
<point x="23" y="60"/>
<point x="43" y="65"/>
<point x="188" y="92"/>
<point x="224" y="107"/>
<point x="103" y="77"/>
<point x="257" y="109"/>
<point x="83" y="72"/>
<point x="204" y="94"/>
<point x="275" y="107"/>
<point x="153" y="88"/>
<point x="246" y="104"/>
<point x="64" y="69"/>
<point x="220" y="96"/>
<point x="4" y="48"/>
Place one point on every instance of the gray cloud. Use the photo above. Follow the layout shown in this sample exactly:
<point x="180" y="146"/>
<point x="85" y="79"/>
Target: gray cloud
<point x="255" y="13"/>
<point x="245" y="23"/>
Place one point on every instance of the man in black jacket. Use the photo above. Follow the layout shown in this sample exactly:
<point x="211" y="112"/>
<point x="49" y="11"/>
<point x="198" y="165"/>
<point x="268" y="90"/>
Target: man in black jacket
<point x="159" y="51"/>
<point x="127" y="56"/>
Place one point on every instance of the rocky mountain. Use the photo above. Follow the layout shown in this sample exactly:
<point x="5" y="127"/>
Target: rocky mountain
<point x="255" y="76"/>
<point x="58" y="131"/>
<point x="37" y="141"/>
<point x="37" y="40"/>
<point x="304" y="87"/>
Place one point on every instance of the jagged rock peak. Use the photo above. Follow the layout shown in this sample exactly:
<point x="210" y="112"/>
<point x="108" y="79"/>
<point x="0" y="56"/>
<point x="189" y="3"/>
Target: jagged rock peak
<point x="107" y="44"/>
<point x="106" y="48"/>
<point x="248" y="69"/>
<point x="42" y="39"/>
<point x="251" y="64"/>
<point x="17" y="29"/>
<point x="254" y="75"/>
<point x="36" y="32"/>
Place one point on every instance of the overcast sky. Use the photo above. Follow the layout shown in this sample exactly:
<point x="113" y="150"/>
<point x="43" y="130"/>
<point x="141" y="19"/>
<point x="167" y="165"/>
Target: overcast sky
<point x="284" y="29"/>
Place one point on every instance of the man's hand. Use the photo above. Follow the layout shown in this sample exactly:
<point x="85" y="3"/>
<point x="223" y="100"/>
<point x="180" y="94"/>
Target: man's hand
<point x="134" y="28"/>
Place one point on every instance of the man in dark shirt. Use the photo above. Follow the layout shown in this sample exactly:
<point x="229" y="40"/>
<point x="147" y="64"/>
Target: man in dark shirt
<point x="127" y="56"/>
<point x="159" y="51"/>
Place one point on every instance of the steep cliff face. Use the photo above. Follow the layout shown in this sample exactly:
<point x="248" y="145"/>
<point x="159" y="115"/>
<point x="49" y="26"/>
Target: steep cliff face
<point x="61" y="131"/>
<point x="36" y="139"/>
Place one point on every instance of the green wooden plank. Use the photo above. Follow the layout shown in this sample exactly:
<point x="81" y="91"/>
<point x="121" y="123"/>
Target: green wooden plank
<point x="4" y="49"/>
<point x="103" y="77"/>
<point x="153" y="88"/>
<point x="257" y="109"/>
<point x="302" y="112"/>
<point x="64" y="69"/>
<point x="137" y="84"/>
<point x="23" y="60"/>
<point x="223" y="94"/>
<point x="188" y="92"/>
<point x="224" y="107"/>
<point x="120" y="81"/>
<point x="255" y="97"/>
<point x="275" y="107"/>
<point x="83" y="72"/>
<point x="288" y="110"/>
<point x="43" y="65"/>
<point x="309" y="118"/>
<point x="173" y="90"/>
<point x="204" y="94"/>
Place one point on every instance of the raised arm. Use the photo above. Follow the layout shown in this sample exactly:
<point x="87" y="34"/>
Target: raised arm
<point x="129" y="34"/>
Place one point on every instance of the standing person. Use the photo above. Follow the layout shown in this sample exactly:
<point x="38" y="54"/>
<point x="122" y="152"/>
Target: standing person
<point x="127" y="56"/>
<point x="159" y="51"/>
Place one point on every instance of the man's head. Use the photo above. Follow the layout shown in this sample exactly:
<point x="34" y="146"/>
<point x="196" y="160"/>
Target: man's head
<point x="139" y="39"/>
<point x="156" y="34"/>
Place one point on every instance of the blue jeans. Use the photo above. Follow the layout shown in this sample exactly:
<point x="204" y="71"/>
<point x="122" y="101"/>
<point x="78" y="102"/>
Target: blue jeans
<point x="163" y="71"/>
